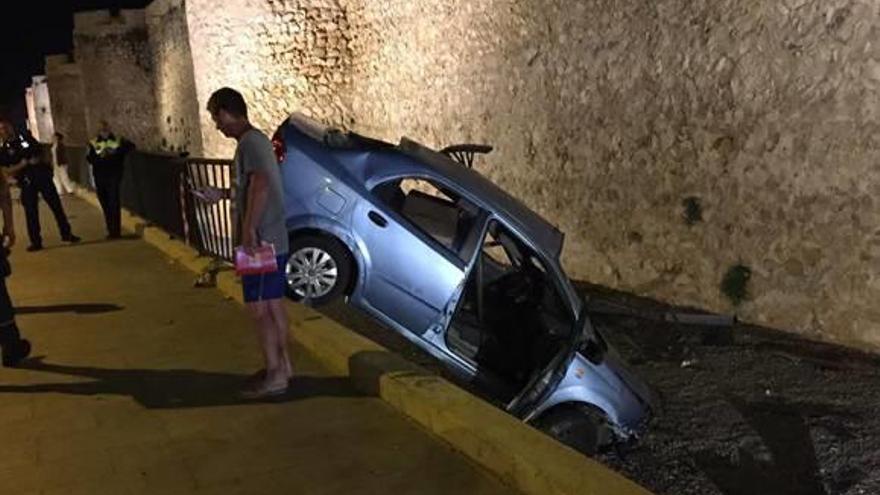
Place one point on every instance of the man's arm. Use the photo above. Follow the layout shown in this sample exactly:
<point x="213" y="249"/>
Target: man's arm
<point x="257" y="197"/>
<point x="92" y="156"/>
<point x="13" y="170"/>
<point x="32" y="155"/>
<point x="6" y="207"/>
<point x="60" y="155"/>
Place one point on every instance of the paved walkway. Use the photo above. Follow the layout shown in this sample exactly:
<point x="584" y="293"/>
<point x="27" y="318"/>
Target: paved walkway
<point x="132" y="390"/>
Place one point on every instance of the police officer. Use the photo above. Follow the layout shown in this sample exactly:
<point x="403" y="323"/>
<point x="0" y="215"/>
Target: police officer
<point x="27" y="161"/>
<point x="12" y="347"/>
<point x="107" y="156"/>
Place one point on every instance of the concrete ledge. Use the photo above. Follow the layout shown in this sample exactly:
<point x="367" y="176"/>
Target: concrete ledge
<point x="519" y="455"/>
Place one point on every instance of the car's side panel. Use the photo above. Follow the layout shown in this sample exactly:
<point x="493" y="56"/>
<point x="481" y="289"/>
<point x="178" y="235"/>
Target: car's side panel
<point x="401" y="277"/>
<point x="408" y="280"/>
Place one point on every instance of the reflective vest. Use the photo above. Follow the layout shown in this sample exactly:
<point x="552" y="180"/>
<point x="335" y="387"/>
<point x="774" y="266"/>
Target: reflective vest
<point x="106" y="146"/>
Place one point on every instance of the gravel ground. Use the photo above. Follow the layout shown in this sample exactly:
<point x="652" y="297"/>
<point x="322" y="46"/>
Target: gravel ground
<point x="742" y="412"/>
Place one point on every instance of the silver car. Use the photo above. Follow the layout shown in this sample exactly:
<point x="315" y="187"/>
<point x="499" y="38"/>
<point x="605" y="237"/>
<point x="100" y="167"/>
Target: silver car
<point x="440" y="254"/>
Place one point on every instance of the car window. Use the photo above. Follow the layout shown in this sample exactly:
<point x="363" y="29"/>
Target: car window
<point x="496" y="249"/>
<point x="431" y="208"/>
<point x="510" y="263"/>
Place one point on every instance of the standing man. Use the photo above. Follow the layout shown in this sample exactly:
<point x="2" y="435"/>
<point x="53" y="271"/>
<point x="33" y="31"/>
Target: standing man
<point x="107" y="156"/>
<point x="12" y="347"/>
<point x="28" y="162"/>
<point x="260" y="207"/>
<point x="59" y="154"/>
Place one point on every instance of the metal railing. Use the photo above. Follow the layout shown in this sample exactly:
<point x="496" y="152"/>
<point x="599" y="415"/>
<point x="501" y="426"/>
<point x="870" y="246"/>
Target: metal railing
<point x="150" y="189"/>
<point x="214" y="222"/>
<point x="158" y="188"/>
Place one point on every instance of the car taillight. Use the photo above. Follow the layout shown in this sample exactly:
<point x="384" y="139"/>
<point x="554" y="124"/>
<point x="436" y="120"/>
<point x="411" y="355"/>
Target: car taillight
<point x="279" y="147"/>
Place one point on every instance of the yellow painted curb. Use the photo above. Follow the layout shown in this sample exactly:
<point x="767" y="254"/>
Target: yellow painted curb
<point x="519" y="455"/>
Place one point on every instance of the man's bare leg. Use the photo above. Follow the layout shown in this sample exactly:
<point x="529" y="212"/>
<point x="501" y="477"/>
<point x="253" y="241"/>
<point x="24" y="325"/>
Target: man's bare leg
<point x="268" y="337"/>
<point x="281" y="320"/>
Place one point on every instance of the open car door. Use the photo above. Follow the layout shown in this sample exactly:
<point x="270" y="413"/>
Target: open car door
<point x="544" y="381"/>
<point x="513" y="326"/>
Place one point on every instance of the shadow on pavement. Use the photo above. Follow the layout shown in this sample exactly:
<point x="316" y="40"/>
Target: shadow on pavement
<point x="173" y="388"/>
<point x="126" y="237"/>
<point x="69" y="308"/>
<point x="791" y="468"/>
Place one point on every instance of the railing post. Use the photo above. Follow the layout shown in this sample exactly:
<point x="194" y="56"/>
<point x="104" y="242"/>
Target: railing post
<point x="214" y="222"/>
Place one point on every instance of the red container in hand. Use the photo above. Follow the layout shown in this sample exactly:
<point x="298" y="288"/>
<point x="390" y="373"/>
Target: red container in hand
<point x="261" y="260"/>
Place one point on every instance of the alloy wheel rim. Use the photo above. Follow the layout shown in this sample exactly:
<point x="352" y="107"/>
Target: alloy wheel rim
<point x="311" y="273"/>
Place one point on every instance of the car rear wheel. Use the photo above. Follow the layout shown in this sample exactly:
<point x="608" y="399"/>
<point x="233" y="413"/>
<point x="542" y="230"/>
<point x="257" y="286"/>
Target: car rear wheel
<point x="318" y="271"/>
<point x="576" y="425"/>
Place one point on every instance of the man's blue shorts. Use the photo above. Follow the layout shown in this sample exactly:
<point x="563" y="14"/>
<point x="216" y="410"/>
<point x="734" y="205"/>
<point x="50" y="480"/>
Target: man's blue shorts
<point x="265" y="286"/>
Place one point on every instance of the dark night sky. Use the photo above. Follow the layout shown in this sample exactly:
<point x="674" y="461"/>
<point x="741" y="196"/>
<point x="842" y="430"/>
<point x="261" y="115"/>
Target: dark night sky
<point x="32" y="29"/>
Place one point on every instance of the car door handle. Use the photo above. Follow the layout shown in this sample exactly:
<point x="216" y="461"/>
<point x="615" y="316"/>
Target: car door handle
<point x="377" y="219"/>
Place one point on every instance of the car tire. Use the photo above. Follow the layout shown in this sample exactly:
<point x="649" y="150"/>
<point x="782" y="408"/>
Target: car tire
<point x="323" y="265"/>
<point x="577" y="426"/>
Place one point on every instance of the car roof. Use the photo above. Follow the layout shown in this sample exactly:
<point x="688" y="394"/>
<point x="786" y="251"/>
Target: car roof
<point x="335" y="138"/>
<point x="491" y="197"/>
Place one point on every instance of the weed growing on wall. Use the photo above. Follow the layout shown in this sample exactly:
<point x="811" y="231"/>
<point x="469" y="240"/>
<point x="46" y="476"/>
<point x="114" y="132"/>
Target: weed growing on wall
<point x="735" y="283"/>
<point x="693" y="210"/>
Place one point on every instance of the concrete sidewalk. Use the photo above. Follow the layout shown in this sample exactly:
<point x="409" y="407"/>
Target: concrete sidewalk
<point x="133" y="386"/>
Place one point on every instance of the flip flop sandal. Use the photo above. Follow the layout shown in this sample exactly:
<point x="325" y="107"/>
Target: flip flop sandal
<point x="259" y="376"/>
<point x="263" y="391"/>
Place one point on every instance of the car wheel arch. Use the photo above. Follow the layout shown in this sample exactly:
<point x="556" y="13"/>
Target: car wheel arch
<point x="594" y="393"/>
<point x="598" y="406"/>
<point x="574" y="404"/>
<point x="604" y="430"/>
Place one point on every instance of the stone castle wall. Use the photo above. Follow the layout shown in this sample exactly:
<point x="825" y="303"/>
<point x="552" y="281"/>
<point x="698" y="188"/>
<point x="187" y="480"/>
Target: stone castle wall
<point x="609" y="117"/>
<point x="67" y="99"/>
<point x="113" y="54"/>
<point x="174" y="87"/>
<point x="31" y="109"/>
<point x="670" y="140"/>
<point x="45" y="127"/>
<point x="282" y="55"/>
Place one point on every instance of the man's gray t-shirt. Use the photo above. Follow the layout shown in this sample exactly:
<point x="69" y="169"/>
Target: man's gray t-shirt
<point x="254" y="152"/>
